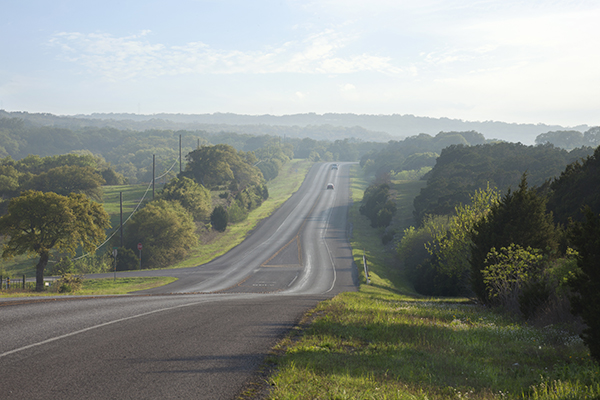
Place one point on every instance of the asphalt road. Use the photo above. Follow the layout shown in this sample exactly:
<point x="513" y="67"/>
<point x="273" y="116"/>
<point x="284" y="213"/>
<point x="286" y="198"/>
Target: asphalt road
<point x="201" y="337"/>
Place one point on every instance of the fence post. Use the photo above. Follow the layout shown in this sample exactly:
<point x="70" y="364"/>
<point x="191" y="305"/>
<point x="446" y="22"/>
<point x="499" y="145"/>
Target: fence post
<point x="366" y="267"/>
<point x="0" y="282"/>
<point x="23" y="281"/>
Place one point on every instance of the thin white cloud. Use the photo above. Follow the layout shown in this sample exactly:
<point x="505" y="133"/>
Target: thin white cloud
<point x="117" y="58"/>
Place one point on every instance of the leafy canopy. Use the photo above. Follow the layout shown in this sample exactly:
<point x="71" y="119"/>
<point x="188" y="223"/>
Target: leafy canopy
<point x="166" y="231"/>
<point x="39" y="222"/>
<point x="193" y="197"/>
<point x="222" y="165"/>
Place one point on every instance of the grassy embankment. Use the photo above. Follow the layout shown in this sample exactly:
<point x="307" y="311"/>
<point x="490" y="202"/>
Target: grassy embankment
<point x="386" y="342"/>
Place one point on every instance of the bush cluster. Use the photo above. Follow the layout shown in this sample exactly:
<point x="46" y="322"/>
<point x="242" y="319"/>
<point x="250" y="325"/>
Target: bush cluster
<point x="377" y="205"/>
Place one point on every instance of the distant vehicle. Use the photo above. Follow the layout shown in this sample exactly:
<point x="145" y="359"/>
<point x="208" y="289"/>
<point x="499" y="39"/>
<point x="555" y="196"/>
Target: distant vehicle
<point x="330" y="186"/>
<point x="334" y="166"/>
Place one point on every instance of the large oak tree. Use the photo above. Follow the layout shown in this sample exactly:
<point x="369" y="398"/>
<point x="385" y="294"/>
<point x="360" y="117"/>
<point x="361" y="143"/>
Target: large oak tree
<point x="39" y="222"/>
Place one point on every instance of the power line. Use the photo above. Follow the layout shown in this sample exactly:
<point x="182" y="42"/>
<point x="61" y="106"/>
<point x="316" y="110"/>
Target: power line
<point x="133" y="212"/>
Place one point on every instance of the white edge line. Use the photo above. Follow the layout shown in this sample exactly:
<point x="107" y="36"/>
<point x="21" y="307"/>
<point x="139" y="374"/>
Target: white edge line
<point x="98" y="326"/>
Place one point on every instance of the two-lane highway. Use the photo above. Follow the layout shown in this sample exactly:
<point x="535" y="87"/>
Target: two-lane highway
<point x="200" y="337"/>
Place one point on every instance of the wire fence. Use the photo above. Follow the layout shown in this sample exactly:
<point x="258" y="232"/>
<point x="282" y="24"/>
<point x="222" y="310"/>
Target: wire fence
<point x="24" y="283"/>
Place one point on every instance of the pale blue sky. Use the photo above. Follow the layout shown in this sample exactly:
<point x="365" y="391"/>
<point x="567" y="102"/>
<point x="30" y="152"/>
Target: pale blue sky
<point x="514" y="61"/>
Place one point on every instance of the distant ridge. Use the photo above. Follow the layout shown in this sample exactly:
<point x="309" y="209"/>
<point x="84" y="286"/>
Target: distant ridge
<point x="362" y="126"/>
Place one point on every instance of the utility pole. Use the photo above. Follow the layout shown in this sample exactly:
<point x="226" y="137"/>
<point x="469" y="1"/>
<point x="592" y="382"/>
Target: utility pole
<point x="153" y="173"/>
<point x="121" y="206"/>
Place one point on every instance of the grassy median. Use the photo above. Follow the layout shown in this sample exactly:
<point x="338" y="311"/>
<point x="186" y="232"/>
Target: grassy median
<point x="386" y="342"/>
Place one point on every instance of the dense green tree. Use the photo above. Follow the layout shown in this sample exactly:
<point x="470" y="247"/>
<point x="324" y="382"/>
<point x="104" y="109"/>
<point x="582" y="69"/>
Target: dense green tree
<point x="576" y="187"/>
<point x="418" y="160"/>
<point x="402" y="155"/>
<point x="269" y="169"/>
<point x="223" y="165"/>
<point x="39" y="222"/>
<point x="9" y="180"/>
<point x="377" y="205"/>
<point x="460" y="170"/>
<point x="111" y="177"/>
<point x="421" y="266"/>
<point x="520" y="218"/>
<point x="451" y="243"/>
<point x="127" y="259"/>
<point x="586" y="285"/>
<point x="193" y="197"/>
<point x="591" y="137"/>
<point x="272" y="158"/>
<point x="252" y="197"/>
<point x="563" y="139"/>
<point x="166" y="230"/>
<point x="219" y="218"/>
<point x="68" y="179"/>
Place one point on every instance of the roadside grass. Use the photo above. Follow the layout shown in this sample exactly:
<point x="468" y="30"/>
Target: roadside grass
<point x="386" y="342"/>
<point x="121" y="285"/>
<point x="280" y="189"/>
<point x="105" y="286"/>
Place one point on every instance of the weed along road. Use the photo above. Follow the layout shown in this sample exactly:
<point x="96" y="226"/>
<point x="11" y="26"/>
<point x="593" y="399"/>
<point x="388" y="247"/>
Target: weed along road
<point x="201" y="337"/>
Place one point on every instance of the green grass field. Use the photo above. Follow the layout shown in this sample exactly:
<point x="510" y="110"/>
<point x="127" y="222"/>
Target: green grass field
<point x="386" y="342"/>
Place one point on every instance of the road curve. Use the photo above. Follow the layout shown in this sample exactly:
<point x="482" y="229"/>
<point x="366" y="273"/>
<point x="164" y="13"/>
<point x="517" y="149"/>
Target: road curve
<point x="200" y="337"/>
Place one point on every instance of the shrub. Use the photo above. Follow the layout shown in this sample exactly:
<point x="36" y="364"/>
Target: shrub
<point x="68" y="283"/>
<point x="219" y="219"/>
<point x="506" y="272"/>
<point x="127" y="259"/>
<point x="377" y="206"/>
<point x="534" y="295"/>
<point x="236" y="213"/>
<point x="422" y="268"/>
<point x="586" y="284"/>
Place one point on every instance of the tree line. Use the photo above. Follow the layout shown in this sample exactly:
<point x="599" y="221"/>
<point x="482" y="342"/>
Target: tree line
<point x="571" y="139"/>
<point x="529" y="249"/>
<point x="130" y="152"/>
